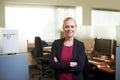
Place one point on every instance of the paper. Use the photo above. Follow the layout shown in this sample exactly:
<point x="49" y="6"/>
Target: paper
<point x="10" y="41"/>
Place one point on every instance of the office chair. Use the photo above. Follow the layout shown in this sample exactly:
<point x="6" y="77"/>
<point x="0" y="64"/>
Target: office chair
<point x="41" y="60"/>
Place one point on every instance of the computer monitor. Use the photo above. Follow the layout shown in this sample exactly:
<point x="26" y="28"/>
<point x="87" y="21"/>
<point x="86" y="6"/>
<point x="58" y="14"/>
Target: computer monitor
<point x="104" y="46"/>
<point x="114" y="45"/>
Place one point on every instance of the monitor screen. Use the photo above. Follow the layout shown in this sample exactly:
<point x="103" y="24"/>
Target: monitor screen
<point x="103" y="46"/>
<point x="114" y="47"/>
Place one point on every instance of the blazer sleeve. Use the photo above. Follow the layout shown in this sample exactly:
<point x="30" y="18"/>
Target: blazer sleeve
<point x="55" y="52"/>
<point x="81" y="59"/>
<point x="80" y="66"/>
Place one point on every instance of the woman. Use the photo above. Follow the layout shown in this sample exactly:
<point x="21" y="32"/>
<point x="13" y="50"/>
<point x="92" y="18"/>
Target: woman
<point x="68" y="56"/>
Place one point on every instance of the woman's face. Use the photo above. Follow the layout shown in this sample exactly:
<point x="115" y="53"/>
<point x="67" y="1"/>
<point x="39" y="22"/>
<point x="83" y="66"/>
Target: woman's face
<point x="69" y="28"/>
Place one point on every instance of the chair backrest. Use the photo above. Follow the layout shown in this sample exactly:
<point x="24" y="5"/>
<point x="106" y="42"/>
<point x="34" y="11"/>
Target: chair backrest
<point x="44" y="43"/>
<point x="38" y="51"/>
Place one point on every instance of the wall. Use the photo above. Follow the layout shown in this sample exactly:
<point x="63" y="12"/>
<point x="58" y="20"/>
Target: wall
<point x="2" y="14"/>
<point x="86" y="4"/>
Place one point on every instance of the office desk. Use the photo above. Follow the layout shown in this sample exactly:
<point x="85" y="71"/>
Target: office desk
<point x="47" y="49"/>
<point x="32" y="45"/>
<point x="98" y="65"/>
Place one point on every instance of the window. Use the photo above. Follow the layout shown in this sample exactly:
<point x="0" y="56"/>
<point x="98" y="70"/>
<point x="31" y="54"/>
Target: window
<point x="34" y="20"/>
<point x="104" y="23"/>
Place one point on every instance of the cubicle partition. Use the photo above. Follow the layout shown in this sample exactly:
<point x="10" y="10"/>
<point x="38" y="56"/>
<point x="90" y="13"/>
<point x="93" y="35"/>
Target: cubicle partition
<point x="14" y="67"/>
<point x="118" y="63"/>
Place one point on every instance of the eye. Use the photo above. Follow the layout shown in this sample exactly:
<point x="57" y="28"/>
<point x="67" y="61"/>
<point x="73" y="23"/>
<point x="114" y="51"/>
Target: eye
<point x="66" y="26"/>
<point x="72" y="26"/>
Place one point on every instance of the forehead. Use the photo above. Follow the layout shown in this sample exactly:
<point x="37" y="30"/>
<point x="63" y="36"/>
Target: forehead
<point x="69" y="22"/>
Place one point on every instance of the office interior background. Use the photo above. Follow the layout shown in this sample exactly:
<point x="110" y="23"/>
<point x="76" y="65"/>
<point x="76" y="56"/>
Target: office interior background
<point x="95" y="18"/>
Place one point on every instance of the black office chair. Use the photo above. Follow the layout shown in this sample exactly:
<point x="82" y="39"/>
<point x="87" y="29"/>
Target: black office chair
<point x="41" y="60"/>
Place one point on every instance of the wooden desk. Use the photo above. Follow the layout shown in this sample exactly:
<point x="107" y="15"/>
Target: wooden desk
<point x="98" y="66"/>
<point x="32" y="45"/>
<point x="47" y="49"/>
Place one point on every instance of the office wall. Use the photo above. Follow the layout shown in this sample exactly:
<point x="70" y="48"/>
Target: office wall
<point x="112" y="4"/>
<point x="86" y="4"/>
<point x="2" y="14"/>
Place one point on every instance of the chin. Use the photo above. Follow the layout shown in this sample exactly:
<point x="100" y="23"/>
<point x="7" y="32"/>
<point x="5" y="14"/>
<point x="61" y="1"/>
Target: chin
<point x="69" y="36"/>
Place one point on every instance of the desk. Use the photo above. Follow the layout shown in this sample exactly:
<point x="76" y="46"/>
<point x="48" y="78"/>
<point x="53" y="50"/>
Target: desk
<point x="106" y="69"/>
<point x="32" y="45"/>
<point x="47" y="49"/>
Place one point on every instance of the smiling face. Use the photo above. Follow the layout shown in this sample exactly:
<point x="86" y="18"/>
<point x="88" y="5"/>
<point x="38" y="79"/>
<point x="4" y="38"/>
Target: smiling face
<point x="69" y="27"/>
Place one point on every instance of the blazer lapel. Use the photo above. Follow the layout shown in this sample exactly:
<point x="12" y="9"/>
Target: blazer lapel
<point x="74" y="52"/>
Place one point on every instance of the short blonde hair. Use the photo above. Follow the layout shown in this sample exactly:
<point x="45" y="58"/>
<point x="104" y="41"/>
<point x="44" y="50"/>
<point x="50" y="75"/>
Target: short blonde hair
<point x="69" y="18"/>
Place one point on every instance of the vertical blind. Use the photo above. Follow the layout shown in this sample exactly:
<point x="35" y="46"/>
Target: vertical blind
<point x="43" y="21"/>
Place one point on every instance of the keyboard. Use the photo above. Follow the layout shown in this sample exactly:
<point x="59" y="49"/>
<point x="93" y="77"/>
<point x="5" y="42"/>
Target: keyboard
<point x="96" y="60"/>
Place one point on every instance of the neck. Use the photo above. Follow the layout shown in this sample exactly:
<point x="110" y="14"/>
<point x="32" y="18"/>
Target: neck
<point x="69" y="41"/>
<point x="69" y="38"/>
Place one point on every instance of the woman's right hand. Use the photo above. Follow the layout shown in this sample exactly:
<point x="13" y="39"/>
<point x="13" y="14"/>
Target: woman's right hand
<point x="73" y="64"/>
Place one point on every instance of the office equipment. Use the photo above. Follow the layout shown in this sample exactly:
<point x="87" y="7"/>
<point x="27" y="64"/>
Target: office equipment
<point x="112" y="65"/>
<point x="105" y="46"/>
<point x="40" y="58"/>
<point x="96" y="60"/>
<point x="14" y="67"/>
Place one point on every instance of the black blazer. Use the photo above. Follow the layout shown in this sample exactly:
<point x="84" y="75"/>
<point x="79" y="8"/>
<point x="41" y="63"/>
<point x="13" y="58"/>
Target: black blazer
<point x="78" y="55"/>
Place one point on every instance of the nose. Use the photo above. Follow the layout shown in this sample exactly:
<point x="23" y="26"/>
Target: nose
<point x="69" y="27"/>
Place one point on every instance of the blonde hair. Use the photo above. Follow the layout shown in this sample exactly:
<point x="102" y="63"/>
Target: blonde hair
<point x="69" y="18"/>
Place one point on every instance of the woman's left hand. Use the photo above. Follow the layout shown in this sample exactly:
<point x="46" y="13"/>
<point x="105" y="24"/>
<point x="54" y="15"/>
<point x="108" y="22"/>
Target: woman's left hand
<point x="55" y="59"/>
<point x="73" y="64"/>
